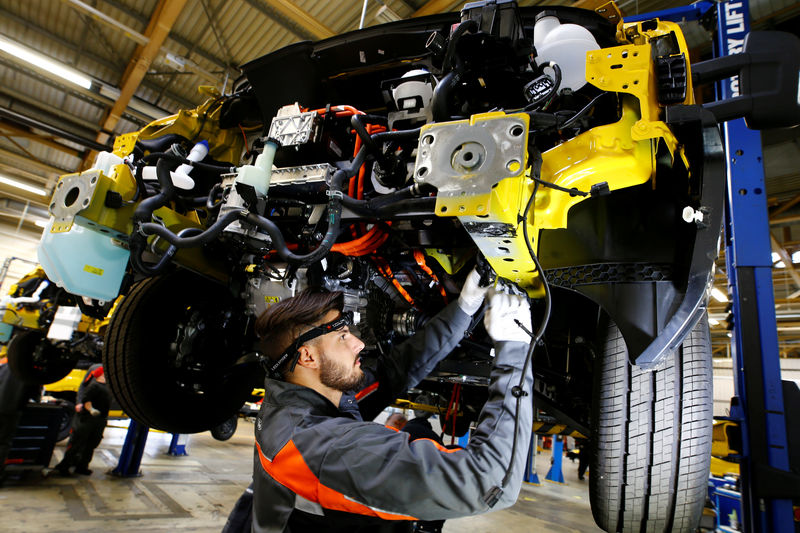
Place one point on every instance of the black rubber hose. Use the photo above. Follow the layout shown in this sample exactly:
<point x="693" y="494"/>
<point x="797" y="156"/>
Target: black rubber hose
<point x="219" y="169"/>
<point x="396" y="135"/>
<point x="160" y="144"/>
<point x="412" y="191"/>
<point x="151" y="228"/>
<point x="366" y="138"/>
<point x="144" y="211"/>
<point x="464" y="27"/>
<point x="164" y="261"/>
<point x="441" y="95"/>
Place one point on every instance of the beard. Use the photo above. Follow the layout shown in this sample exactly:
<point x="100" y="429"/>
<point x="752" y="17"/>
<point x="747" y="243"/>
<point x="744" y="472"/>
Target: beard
<point x="338" y="376"/>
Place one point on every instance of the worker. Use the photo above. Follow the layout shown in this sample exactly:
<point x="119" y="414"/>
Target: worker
<point x="88" y="379"/>
<point x="87" y="427"/>
<point x="320" y="467"/>
<point x="14" y="395"/>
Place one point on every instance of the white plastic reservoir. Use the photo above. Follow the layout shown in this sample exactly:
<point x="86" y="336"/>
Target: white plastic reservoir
<point x="83" y="262"/>
<point x="565" y="45"/>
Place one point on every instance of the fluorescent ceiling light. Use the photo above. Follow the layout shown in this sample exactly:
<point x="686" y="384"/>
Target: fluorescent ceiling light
<point x="719" y="295"/>
<point x="23" y="186"/>
<point x="44" y="63"/>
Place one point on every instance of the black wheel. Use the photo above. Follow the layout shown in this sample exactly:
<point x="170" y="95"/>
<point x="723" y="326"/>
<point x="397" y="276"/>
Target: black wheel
<point x="170" y="350"/>
<point x="225" y="430"/>
<point x="36" y="360"/>
<point x="65" y="422"/>
<point x="652" y="437"/>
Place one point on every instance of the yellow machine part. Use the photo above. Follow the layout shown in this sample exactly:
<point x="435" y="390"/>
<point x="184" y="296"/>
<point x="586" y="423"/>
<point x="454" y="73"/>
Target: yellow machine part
<point x="21" y="316"/>
<point x="603" y="154"/>
<point x="547" y="428"/>
<point x="201" y="123"/>
<point x="721" y="468"/>
<point x="629" y="68"/>
<point x="118" y="222"/>
<point x="621" y="154"/>
<point x="69" y="383"/>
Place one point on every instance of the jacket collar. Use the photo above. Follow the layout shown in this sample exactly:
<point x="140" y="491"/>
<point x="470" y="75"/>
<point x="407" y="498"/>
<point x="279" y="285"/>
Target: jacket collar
<point x="281" y="393"/>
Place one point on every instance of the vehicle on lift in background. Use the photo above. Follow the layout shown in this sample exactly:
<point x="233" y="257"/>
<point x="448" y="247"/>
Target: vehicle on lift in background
<point x="43" y="331"/>
<point x="563" y="146"/>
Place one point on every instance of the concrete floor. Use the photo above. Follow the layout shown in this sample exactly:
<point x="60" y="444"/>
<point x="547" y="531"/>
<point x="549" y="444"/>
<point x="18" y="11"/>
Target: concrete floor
<point x="196" y="492"/>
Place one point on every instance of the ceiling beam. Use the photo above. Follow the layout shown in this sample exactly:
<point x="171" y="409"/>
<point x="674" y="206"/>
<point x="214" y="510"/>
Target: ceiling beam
<point x="785" y="206"/>
<point x="172" y="36"/>
<point x="11" y="99"/>
<point x="111" y="22"/>
<point x="14" y="131"/>
<point x="24" y="161"/>
<point x="433" y="7"/>
<point x="164" y="16"/>
<point x="15" y="172"/>
<point x="786" y="258"/>
<point x="30" y="122"/>
<point x="293" y="19"/>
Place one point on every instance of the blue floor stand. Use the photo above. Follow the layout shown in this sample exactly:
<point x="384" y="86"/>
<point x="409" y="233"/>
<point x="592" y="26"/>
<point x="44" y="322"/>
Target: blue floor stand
<point x="530" y="465"/>
<point x="177" y="446"/>
<point x="130" y="458"/>
<point x="555" y="474"/>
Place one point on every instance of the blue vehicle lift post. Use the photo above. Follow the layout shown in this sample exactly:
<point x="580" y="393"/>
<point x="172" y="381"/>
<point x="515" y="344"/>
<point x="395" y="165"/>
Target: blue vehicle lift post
<point x="754" y="343"/>
<point x="766" y="483"/>
<point x="130" y="458"/>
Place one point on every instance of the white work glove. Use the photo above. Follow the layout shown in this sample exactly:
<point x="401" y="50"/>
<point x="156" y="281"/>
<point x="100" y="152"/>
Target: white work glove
<point x="94" y="412"/>
<point x="472" y="294"/>
<point x="501" y="316"/>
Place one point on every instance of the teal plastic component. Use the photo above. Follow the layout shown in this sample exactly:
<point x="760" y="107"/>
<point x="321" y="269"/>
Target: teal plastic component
<point x="5" y="332"/>
<point x="83" y="262"/>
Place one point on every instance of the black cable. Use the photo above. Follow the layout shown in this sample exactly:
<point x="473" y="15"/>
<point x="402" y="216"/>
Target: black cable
<point x="494" y="494"/>
<point x="572" y="192"/>
<point x="464" y="27"/>
<point x="572" y="120"/>
<point x="556" y="85"/>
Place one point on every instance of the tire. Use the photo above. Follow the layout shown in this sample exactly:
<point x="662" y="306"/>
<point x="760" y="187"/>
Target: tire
<point x="170" y="350"/>
<point x="652" y="437"/>
<point x="65" y="422"/>
<point x="225" y="430"/>
<point x="37" y="361"/>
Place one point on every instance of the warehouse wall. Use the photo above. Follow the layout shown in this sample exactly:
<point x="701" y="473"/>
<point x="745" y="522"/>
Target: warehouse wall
<point x="723" y="380"/>
<point x="21" y="244"/>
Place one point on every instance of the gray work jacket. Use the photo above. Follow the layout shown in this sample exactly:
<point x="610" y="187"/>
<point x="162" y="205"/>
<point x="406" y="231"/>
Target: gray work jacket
<point x="319" y="468"/>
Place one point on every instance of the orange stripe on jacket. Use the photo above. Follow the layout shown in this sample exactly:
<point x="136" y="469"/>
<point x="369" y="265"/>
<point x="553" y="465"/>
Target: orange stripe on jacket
<point x="290" y="470"/>
<point x="366" y="391"/>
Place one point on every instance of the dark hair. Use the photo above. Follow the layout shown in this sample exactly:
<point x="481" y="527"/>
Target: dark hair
<point x="282" y="323"/>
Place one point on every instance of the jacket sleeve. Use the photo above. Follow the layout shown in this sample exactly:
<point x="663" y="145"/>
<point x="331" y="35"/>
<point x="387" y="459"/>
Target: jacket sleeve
<point x="409" y="362"/>
<point x="375" y="469"/>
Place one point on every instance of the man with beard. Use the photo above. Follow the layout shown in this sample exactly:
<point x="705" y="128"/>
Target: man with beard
<point x="320" y="467"/>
